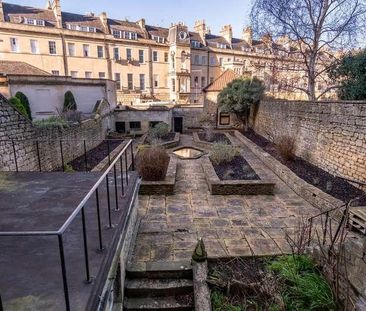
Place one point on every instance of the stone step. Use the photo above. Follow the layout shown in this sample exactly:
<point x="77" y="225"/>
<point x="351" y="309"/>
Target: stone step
<point x="160" y="270"/>
<point x="158" y="287"/>
<point x="178" y="303"/>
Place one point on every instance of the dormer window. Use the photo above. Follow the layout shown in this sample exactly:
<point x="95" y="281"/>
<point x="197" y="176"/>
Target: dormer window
<point x="221" y="45"/>
<point x="118" y="34"/>
<point x="158" y="39"/>
<point x="35" y="22"/>
<point x="81" y="28"/>
<point x="196" y="44"/>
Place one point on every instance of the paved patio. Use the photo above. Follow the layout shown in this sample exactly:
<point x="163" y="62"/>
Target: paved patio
<point x="230" y="225"/>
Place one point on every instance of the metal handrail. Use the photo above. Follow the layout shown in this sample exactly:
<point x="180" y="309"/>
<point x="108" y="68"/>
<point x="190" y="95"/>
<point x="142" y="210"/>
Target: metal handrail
<point x="81" y="209"/>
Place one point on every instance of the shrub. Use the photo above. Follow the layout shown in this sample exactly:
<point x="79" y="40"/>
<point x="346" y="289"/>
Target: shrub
<point x="24" y="100"/>
<point x="16" y="103"/>
<point x="223" y="152"/>
<point x="159" y="130"/>
<point x="72" y="116"/>
<point x="286" y="146"/>
<point x="51" y="122"/>
<point x="305" y="288"/>
<point x="69" y="101"/>
<point x="152" y="163"/>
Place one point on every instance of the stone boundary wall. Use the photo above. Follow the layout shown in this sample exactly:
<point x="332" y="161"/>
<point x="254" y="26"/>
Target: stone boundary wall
<point x="13" y="126"/>
<point x="331" y="135"/>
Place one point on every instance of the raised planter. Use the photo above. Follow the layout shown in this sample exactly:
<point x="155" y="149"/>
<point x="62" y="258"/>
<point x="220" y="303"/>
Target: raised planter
<point x="237" y="187"/>
<point x="310" y="193"/>
<point x="105" y="162"/>
<point x="206" y="144"/>
<point x="161" y="187"/>
<point x="166" y="144"/>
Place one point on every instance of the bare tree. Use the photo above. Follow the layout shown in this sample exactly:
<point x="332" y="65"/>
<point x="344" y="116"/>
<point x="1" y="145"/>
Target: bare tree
<point x="315" y="28"/>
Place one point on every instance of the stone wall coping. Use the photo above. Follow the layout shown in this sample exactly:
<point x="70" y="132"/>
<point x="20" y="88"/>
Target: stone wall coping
<point x="284" y="101"/>
<point x="308" y="192"/>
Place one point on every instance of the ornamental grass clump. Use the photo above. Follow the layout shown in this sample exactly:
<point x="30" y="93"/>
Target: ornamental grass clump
<point x="222" y="152"/>
<point x="152" y="163"/>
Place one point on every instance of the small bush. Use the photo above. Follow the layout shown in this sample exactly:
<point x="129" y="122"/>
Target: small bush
<point x="286" y="146"/>
<point x="51" y="122"/>
<point x="152" y="163"/>
<point x="18" y="105"/>
<point x="158" y="131"/>
<point x="69" y="101"/>
<point x="24" y="100"/>
<point x="72" y="116"/>
<point x="223" y="152"/>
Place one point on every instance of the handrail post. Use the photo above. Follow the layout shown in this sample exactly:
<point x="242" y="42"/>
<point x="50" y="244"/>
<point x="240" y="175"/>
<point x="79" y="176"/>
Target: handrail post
<point x="63" y="270"/>
<point x="325" y="227"/>
<point x="115" y="187"/>
<point x="86" y="253"/>
<point x="38" y="156"/>
<point x="99" y="222"/>
<point x="85" y="157"/>
<point x="108" y="202"/>
<point x="15" y="156"/>
<point x="132" y="158"/>
<point x="310" y="229"/>
<point x="109" y="152"/>
<point x="121" y="168"/>
<point x="126" y="162"/>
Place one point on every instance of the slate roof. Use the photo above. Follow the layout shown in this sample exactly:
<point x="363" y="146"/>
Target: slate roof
<point x="222" y="81"/>
<point x="20" y="68"/>
<point x="82" y="20"/>
<point x="157" y="31"/>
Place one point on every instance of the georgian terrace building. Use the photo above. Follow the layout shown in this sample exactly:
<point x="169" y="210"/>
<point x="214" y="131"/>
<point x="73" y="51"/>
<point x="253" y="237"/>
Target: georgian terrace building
<point x="148" y="63"/>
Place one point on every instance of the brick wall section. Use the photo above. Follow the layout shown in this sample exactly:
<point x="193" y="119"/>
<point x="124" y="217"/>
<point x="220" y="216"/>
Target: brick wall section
<point x="331" y="135"/>
<point x="14" y="126"/>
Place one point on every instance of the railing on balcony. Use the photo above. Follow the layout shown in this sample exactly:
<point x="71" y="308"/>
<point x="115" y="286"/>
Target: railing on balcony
<point x="54" y="155"/>
<point x="114" y="181"/>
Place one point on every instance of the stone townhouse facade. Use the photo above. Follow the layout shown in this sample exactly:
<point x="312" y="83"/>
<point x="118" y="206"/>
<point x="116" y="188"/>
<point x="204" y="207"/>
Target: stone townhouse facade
<point x="148" y="63"/>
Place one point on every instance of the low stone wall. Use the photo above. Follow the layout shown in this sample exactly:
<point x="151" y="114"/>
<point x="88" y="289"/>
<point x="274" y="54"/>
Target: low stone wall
<point x="234" y="187"/>
<point x="331" y="135"/>
<point x="29" y="141"/>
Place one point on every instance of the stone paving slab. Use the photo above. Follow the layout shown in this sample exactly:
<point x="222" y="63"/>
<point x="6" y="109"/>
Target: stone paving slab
<point x="231" y="225"/>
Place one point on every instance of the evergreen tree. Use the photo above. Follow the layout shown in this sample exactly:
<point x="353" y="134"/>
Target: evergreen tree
<point x="69" y="102"/>
<point x="24" y="101"/>
<point x="16" y="103"/>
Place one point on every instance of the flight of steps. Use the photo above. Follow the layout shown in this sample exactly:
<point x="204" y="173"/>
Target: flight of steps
<point x="159" y="286"/>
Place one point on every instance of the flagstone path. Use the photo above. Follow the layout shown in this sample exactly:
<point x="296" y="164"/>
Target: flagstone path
<point x="230" y="226"/>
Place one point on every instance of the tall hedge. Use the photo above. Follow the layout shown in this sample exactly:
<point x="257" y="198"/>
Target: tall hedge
<point x="69" y="101"/>
<point x="15" y="102"/>
<point x="24" y="101"/>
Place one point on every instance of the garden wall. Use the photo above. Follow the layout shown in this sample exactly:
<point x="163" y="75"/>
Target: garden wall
<point x="13" y="126"/>
<point x="331" y="135"/>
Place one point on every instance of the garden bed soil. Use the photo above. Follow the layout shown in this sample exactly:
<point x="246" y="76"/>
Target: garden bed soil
<point x="334" y="186"/>
<point x="237" y="169"/>
<point x="216" y="138"/>
<point x="94" y="156"/>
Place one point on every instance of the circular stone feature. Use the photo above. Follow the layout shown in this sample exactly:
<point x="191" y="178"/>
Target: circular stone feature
<point x="186" y="153"/>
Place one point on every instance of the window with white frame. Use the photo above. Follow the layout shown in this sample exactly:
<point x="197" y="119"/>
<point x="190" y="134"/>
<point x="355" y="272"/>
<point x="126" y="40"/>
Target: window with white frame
<point x="55" y="72"/>
<point x="52" y="47"/>
<point x="100" y="51"/>
<point x="141" y="56"/>
<point x="195" y="44"/>
<point x="156" y="80"/>
<point x="117" y="33"/>
<point x="128" y="54"/>
<point x="86" y="50"/>
<point x="130" y="81"/>
<point x="142" y="81"/>
<point x="155" y="56"/>
<point x="88" y="74"/>
<point x="158" y="39"/>
<point x="117" y="78"/>
<point x="71" y="48"/>
<point x="34" y="46"/>
<point x="196" y="59"/>
<point x="212" y="60"/>
<point x="14" y="45"/>
<point x="116" y="53"/>
<point x="101" y="75"/>
<point x="81" y="28"/>
<point x="221" y="45"/>
<point x="33" y="21"/>
<point x="74" y="74"/>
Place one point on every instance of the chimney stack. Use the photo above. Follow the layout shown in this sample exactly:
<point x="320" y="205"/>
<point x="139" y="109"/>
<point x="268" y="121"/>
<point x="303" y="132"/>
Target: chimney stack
<point x="104" y="19"/>
<point x="2" y="19"/>
<point x="56" y="7"/>
<point x="200" y="27"/>
<point x="267" y="39"/>
<point x="248" y="35"/>
<point x="227" y="33"/>
<point x="142" y="23"/>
